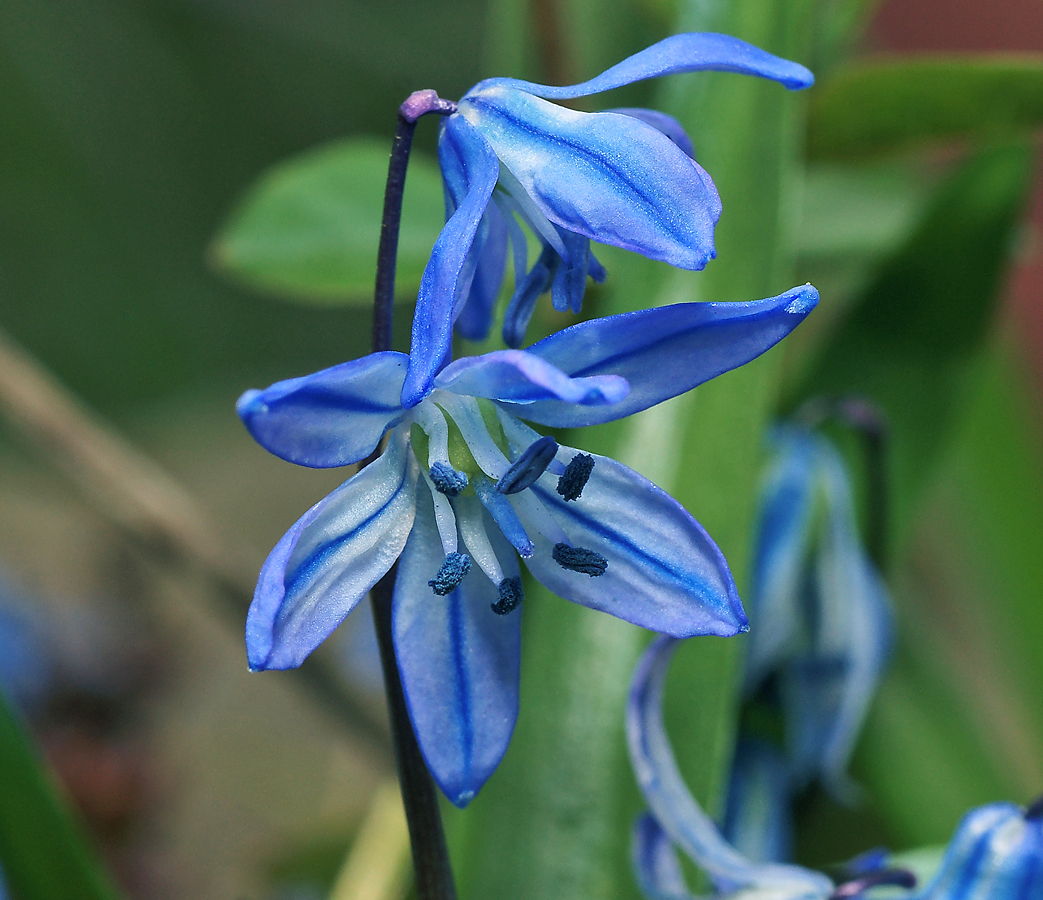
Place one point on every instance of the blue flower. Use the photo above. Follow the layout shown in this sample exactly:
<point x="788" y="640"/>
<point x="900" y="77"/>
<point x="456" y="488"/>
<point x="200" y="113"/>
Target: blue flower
<point x="625" y="178"/>
<point x="824" y="625"/>
<point x="996" y="853"/>
<point x="463" y="489"/>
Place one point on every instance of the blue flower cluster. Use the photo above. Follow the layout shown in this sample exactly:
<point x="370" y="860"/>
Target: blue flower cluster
<point x="463" y="488"/>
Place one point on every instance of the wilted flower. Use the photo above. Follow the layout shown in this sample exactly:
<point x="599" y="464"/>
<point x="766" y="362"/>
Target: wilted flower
<point x="677" y="821"/>
<point x="625" y="178"/>
<point x="464" y="488"/>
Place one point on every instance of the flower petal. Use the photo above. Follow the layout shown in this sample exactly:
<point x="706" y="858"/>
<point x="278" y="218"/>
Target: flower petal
<point x="672" y="803"/>
<point x="459" y="662"/>
<point x="691" y="52"/>
<point x="661" y="122"/>
<point x="664" y="572"/>
<point x="783" y="539"/>
<point x="757" y="819"/>
<point x="606" y="176"/>
<point x="656" y="866"/>
<point x="662" y="352"/>
<point x="476" y="316"/>
<point x="331" y="418"/>
<point x="519" y="377"/>
<point x="330" y="559"/>
<point x="462" y="149"/>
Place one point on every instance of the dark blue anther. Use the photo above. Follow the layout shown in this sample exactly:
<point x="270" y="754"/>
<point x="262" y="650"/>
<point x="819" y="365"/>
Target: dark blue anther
<point x="528" y="467"/>
<point x="510" y="591"/>
<point x="579" y="559"/>
<point x="447" y="480"/>
<point x="575" y="476"/>
<point x="451" y="573"/>
<point x="1035" y="812"/>
<point x="898" y="877"/>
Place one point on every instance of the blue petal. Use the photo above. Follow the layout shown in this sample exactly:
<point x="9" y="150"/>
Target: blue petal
<point x="996" y="853"/>
<point x="523" y="301"/>
<point x="757" y="819"/>
<point x="782" y="542"/>
<point x="664" y="572"/>
<point x="331" y="418"/>
<point x="673" y="804"/>
<point x="476" y="316"/>
<point x="661" y="122"/>
<point x="519" y="377"/>
<point x="330" y="559"/>
<point x="691" y="52"/>
<point x="663" y="352"/>
<point x="656" y="866"/>
<point x="461" y="148"/>
<point x="830" y="691"/>
<point x="459" y="662"/>
<point x="606" y="176"/>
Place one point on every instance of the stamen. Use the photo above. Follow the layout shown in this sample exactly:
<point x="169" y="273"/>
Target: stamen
<point x="523" y="301"/>
<point x="448" y="480"/>
<point x="472" y="530"/>
<point x="445" y="518"/>
<point x="579" y="559"/>
<point x="532" y="512"/>
<point x="504" y="515"/>
<point x="1035" y="812"/>
<point x="520" y="435"/>
<point x="898" y="877"/>
<point x="575" y="477"/>
<point x="429" y="417"/>
<point x="510" y="591"/>
<point x="528" y="467"/>
<point x="451" y="573"/>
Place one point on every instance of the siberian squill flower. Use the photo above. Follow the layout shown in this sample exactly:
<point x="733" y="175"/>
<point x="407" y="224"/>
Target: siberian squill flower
<point x="463" y="489"/>
<point x="625" y="178"/>
<point x="676" y="821"/>
<point x="996" y="854"/>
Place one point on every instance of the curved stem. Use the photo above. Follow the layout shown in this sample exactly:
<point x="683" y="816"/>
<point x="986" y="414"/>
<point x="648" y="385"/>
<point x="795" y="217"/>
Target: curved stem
<point x="433" y="873"/>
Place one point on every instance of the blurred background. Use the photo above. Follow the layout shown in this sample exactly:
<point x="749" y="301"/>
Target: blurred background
<point x="129" y="131"/>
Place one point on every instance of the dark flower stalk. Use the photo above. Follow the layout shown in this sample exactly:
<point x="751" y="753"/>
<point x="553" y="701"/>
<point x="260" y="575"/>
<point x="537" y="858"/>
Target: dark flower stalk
<point x="431" y="868"/>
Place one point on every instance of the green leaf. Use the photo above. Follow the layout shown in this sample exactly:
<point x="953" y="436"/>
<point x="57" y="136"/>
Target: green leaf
<point x="876" y="107"/>
<point x="43" y="850"/>
<point x="908" y="340"/>
<point x="310" y="227"/>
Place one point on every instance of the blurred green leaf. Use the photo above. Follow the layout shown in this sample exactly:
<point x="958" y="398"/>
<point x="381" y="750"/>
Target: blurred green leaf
<point x="909" y="339"/>
<point x="876" y="107"/>
<point x="43" y="850"/>
<point x="309" y="229"/>
<point x="858" y="211"/>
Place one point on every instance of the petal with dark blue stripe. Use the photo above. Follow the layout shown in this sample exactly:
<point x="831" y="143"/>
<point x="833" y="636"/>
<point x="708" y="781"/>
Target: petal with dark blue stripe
<point x="656" y="866"/>
<point x="664" y="572"/>
<point x="331" y="418"/>
<point x="662" y="352"/>
<point x="460" y="148"/>
<point x="327" y="562"/>
<point x="459" y="662"/>
<point x="609" y="177"/>
<point x="518" y="377"/>
<point x="690" y="52"/>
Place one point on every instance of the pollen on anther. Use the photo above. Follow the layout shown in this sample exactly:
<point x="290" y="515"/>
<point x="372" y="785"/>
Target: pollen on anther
<point x="510" y="590"/>
<point x="579" y="559"/>
<point x="451" y="573"/>
<point x="448" y="480"/>
<point x="575" y="476"/>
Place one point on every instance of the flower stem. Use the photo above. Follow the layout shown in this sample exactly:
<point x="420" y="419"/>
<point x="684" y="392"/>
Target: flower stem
<point x="432" y="871"/>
